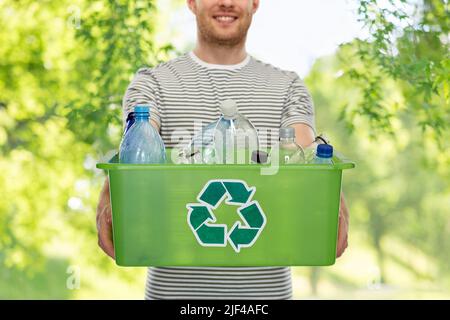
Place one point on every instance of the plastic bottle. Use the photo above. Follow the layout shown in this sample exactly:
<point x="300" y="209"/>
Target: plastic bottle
<point x="142" y="143"/>
<point x="230" y="139"/>
<point x="324" y="154"/>
<point x="289" y="151"/>
<point x="201" y="148"/>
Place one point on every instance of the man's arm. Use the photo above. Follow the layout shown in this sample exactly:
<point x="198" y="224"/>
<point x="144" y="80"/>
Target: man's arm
<point x="304" y="137"/>
<point x="304" y="134"/>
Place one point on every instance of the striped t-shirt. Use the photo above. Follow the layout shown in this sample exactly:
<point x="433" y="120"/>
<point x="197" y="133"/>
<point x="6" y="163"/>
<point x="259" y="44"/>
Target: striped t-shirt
<point x="187" y="90"/>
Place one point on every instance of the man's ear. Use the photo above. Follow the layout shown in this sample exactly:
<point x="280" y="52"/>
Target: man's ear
<point x="255" y="6"/>
<point x="192" y="4"/>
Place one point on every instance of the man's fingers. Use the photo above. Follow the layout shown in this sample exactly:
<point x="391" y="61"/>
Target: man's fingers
<point x="342" y="245"/>
<point x="105" y="238"/>
<point x="108" y="217"/>
<point x="342" y="236"/>
<point x="106" y="243"/>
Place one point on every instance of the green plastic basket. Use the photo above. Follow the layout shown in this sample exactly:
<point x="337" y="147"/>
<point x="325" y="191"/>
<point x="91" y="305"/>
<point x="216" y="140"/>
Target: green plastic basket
<point x="225" y="215"/>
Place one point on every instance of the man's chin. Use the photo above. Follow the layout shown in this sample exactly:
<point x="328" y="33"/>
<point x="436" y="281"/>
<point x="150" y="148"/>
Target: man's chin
<point x="227" y="41"/>
<point x="223" y="36"/>
<point x="227" y="37"/>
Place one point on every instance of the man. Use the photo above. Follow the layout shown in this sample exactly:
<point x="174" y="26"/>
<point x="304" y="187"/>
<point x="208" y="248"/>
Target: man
<point x="189" y="89"/>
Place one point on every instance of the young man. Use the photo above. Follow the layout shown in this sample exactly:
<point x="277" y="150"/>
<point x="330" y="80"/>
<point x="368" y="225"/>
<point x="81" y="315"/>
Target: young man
<point x="189" y="89"/>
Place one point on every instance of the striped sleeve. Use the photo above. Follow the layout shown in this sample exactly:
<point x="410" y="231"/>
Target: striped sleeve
<point x="298" y="107"/>
<point x="143" y="89"/>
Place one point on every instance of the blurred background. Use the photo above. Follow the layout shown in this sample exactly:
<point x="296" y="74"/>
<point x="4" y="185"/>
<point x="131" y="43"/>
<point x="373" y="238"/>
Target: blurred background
<point x="378" y="72"/>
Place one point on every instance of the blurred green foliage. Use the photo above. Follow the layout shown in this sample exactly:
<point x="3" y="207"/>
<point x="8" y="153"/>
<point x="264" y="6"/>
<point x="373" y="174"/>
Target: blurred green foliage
<point x="408" y="43"/>
<point x="63" y="71"/>
<point x="391" y="92"/>
<point x="384" y="102"/>
<point x="396" y="190"/>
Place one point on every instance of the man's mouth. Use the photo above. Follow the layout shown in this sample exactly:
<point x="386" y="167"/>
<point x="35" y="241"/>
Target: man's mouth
<point x="225" y="19"/>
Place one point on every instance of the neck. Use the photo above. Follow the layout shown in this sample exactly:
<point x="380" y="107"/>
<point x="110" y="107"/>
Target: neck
<point x="220" y="54"/>
<point x="142" y="117"/>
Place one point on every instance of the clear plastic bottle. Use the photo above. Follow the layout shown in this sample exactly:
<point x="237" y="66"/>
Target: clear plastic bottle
<point x="289" y="151"/>
<point x="201" y="148"/>
<point x="230" y="139"/>
<point x="324" y="154"/>
<point x="141" y="142"/>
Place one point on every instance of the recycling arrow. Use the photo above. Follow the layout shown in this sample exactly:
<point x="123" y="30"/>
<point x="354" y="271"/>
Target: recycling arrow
<point x="255" y="220"/>
<point x="241" y="237"/>
<point x="238" y="191"/>
<point x="198" y="215"/>
<point x="213" y="235"/>
<point x="201" y="220"/>
<point x="253" y="215"/>
<point x="213" y="193"/>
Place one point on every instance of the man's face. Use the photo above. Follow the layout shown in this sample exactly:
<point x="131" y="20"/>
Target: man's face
<point x="223" y="22"/>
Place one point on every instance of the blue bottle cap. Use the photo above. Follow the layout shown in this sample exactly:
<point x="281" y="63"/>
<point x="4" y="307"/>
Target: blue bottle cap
<point x="142" y="109"/>
<point x="325" y="150"/>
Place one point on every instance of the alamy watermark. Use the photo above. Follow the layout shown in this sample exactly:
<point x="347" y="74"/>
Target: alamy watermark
<point x="74" y="19"/>
<point x="230" y="146"/>
<point x="73" y="281"/>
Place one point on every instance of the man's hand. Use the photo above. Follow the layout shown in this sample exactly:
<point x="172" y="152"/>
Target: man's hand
<point x="104" y="221"/>
<point x="342" y="241"/>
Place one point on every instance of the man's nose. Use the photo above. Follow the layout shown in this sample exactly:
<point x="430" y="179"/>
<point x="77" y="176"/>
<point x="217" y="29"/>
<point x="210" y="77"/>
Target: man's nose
<point x="226" y="3"/>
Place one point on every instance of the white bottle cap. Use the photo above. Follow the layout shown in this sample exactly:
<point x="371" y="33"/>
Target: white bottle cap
<point x="229" y="108"/>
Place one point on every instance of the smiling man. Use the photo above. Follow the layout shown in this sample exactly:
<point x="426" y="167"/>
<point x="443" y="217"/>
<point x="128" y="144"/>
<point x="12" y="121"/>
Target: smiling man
<point x="188" y="90"/>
